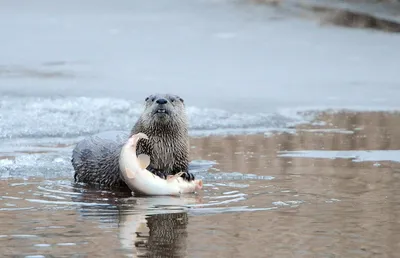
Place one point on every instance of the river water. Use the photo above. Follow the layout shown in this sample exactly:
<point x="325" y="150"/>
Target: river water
<point x="294" y="129"/>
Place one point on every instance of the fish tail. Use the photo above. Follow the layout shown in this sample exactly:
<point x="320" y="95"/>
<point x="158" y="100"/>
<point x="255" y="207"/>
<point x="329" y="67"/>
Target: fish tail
<point x="136" y="137"/>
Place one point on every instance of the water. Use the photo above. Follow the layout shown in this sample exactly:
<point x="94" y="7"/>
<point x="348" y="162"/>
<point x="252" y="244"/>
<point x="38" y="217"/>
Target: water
<point x="294" y="130"/>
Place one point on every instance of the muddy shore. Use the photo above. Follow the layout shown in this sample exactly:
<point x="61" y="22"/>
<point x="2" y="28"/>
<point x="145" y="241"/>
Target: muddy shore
<point x="367" y="14"/>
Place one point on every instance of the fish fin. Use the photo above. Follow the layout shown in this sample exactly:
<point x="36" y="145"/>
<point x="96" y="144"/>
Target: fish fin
<point x="129" y="173"/>
<point x="144" y="160"/>
<point x="177" y="175"/>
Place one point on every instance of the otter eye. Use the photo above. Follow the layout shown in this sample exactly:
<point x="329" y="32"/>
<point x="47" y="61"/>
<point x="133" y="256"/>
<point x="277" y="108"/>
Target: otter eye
<point x="153" y="98"/>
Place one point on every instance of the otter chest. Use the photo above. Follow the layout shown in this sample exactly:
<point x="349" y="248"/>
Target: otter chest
<point x="163" y="155"/>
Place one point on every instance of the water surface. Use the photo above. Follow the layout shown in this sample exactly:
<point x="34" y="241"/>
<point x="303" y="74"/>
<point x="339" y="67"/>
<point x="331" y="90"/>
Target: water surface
<point x="259" y="199"/>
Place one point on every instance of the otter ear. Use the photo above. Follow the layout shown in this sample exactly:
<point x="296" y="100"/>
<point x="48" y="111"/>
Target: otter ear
<point x="144" y="160"/>
<point x="181" y="99"/>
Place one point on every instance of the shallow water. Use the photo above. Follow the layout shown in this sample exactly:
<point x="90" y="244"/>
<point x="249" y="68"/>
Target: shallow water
<point x="260" y="198"/>
<point x="283" y="176"/>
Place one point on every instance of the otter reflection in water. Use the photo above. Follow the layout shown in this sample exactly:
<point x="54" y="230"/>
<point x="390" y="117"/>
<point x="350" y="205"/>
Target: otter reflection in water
<point x="145" y="226"/>
<point x="158" y="235"/>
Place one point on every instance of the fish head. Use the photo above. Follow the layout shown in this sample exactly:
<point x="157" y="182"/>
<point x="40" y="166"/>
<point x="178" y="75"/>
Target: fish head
<point x="199" y="184"/>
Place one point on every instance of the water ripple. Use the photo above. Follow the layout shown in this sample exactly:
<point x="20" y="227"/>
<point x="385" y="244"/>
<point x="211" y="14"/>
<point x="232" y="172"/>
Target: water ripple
<point x="64" y="195"/>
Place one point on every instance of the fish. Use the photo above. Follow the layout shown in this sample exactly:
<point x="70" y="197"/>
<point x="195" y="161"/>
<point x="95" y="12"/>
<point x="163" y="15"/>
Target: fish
<point x="142" y="181"/>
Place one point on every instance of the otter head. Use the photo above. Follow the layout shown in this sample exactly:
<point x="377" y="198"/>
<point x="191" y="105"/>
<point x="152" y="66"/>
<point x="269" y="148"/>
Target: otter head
<point x="164" y="111"/>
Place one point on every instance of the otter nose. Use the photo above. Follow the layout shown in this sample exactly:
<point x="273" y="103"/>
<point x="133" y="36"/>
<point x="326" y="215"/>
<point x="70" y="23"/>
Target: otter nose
<point x="161" y="101"/>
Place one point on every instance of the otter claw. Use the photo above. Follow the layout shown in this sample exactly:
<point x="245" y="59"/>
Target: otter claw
<point x="188" y="176"/>
<point x="185" y="175"/>
<point x="157" y="173"/>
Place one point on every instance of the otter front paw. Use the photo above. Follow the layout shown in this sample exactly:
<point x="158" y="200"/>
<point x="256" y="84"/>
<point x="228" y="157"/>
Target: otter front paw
<point x="188" y="176"/>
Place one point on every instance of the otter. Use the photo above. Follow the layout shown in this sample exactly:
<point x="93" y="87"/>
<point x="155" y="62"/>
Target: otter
<point x="164" y="121"/>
